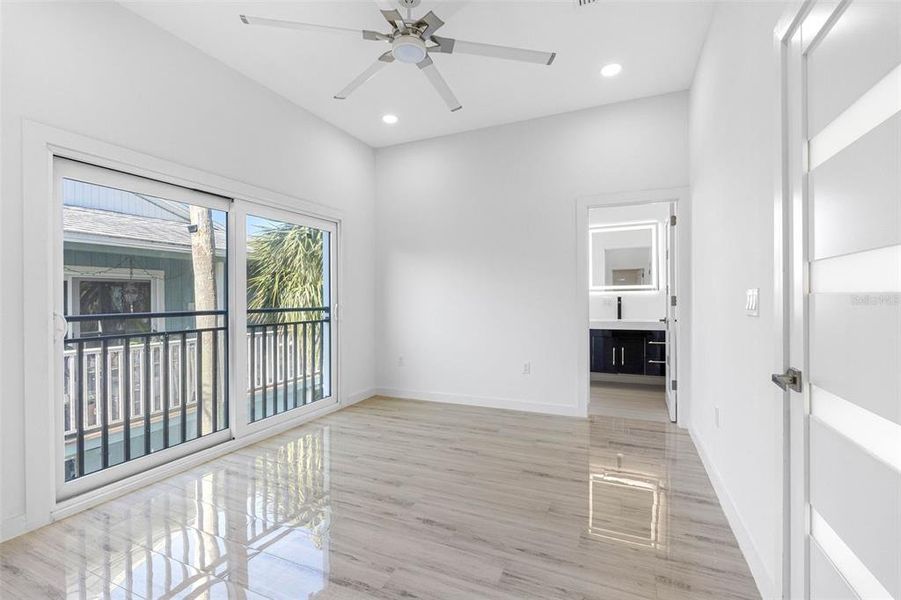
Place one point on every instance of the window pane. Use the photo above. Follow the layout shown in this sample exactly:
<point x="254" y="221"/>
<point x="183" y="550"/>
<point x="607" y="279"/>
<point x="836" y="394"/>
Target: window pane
<point x="289" y="332"/>
<point x="152" y="270"/>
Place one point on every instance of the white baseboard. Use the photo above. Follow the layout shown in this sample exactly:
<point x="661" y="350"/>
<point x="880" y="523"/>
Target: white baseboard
<point x="352" y="399"/>
<point x="483" y="401"/>
<point x="13" y="526"/>
<point x="766" y="585"/>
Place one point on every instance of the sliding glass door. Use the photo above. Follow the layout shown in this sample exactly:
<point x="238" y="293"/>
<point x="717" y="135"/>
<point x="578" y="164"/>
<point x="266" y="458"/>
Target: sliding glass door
<point x="173" y="302"/>
<point x="144" y="301"/>
<point x="289" y="294"/>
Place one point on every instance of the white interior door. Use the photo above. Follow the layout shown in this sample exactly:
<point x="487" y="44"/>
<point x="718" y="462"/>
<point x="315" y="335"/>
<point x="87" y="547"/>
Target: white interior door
<point x="672" y="322"/>
<point x="843" y="78"/>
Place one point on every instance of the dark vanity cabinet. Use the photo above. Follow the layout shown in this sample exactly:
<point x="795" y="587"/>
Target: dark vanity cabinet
<point x="628" y="352"/>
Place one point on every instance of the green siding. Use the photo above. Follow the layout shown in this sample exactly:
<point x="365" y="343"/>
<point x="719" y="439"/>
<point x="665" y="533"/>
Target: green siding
<point x="178" y="279"/>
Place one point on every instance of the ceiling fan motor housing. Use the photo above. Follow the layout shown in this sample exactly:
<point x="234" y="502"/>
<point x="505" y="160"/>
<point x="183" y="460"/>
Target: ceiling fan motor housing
<point x="409" y="49"/>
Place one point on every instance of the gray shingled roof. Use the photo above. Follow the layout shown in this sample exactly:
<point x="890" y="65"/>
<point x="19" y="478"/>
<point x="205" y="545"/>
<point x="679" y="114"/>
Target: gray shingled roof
<point x="110" y="226"/>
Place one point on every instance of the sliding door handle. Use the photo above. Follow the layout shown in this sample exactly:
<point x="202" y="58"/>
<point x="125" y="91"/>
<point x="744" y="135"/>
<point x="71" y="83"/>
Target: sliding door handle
<point x="790" y="380"/>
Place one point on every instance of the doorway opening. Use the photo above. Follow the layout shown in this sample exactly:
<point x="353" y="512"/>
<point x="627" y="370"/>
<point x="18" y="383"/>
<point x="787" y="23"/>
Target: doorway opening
<point x="631" y="269"/>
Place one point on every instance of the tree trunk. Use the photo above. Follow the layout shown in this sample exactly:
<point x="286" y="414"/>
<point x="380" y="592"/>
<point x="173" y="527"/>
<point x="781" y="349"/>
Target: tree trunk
<point x="203" y="254"/>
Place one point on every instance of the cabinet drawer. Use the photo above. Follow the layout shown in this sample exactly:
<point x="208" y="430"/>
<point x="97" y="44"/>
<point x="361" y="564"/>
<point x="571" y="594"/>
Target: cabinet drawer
<point x="655" y="367"/>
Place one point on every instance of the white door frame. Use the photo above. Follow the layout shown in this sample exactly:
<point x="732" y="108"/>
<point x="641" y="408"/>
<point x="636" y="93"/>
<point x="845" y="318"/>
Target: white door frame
<point x="679" y="196"/>
<point x="790" y="581"/>
<point x="40" y="144"/>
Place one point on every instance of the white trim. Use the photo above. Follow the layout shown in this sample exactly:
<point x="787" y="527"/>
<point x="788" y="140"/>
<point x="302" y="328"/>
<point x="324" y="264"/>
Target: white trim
<point x="358" y="397"/>
<point x="482" y="401"/>
<point x="580" y="306"/>
<point x="126" y="180"/>
<point x="791" y="545"/>
<point x="766" y="584"/>
<point x="40" y="143"/>
<point x="849" y="566"/>
<point x="874" y="107"/>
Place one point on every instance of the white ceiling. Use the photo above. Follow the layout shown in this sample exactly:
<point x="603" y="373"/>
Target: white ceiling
<point x="657" y="43"/>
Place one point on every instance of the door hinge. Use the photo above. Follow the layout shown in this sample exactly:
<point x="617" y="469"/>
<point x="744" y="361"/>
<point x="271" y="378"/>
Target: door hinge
<point x="672" y="300"/>
<point x="672" y="220"/>
<point x="674" y="385"/>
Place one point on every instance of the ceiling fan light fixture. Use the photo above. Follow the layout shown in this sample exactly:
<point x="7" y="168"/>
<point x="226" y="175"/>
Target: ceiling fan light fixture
<point x="389" y="119"/>
<point x="611" y="70"/>
<point x="409" y="49"/>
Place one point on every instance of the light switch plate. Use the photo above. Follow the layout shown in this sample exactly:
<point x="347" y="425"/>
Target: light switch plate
<point x="752" y="302"/>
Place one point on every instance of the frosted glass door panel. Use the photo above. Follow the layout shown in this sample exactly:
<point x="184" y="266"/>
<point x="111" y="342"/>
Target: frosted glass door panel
<point x="842" y="68"/>
<point x="859" y="496"/>
<point x="855" y="349"/>
<point x="856" y="195"/>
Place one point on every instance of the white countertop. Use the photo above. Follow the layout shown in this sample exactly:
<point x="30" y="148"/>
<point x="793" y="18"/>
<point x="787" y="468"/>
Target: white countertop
<point x="637" y="325"/>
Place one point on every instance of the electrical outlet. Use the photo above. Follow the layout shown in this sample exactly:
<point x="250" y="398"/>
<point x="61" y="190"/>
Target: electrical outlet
<point x="400" y="361"/>
<point x="716" y="416"/>
<point x="527" y="368"/>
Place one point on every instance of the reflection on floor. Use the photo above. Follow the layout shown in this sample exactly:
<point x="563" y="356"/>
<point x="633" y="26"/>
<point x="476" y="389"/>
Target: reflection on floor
<point x="401" y="499"/>
<point x="628" y="400"/>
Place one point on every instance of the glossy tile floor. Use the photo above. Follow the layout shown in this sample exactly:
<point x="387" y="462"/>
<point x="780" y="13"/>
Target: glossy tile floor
<point x="629" y="400"/>
<point x="400" y="499"/>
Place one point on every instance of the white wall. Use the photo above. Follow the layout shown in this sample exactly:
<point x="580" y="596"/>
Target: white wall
<point x="101" y="71"/>
<point x="476" y="241"/>
<point x="733" y="157"/>
<point x="641" y="305"/>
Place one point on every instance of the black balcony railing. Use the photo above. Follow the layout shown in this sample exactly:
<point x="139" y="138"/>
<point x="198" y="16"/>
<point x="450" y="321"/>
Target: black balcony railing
<point x="288" y="363"/>
<point x="156" y="382"/>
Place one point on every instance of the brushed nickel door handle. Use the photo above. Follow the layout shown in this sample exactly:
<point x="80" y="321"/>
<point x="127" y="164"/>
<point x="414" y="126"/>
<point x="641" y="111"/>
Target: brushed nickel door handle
<point x="790" y="380"/>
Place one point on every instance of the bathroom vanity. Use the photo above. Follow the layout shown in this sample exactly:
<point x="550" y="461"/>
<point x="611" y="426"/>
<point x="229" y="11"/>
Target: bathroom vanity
<point x="628" y="348"/>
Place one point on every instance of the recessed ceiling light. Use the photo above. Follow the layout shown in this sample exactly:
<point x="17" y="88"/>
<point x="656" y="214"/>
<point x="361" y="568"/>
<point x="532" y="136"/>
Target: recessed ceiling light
<point x="611" y="70"/>
<point x="389" y="119"/>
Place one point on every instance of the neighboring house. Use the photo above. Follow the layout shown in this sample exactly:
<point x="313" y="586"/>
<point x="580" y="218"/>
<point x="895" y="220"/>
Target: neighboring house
<point x="129" y="253"/>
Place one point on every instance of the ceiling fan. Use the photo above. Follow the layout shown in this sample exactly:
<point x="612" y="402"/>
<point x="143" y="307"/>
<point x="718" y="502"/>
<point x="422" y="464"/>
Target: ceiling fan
<point x="412" y="41"/>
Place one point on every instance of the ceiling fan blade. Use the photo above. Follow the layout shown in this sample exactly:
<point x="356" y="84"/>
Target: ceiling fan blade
<point x="451" y="46"/>
<point x="383" y="61"/>
<point x="299" y="26"/>
<point x="434" y="76"/>
<point x="432" y="24"/>
<point x="376" y="36"/>
<point x="394" y="18"/>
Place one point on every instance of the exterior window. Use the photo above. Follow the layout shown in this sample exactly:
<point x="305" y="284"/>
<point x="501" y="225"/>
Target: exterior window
<point x="101" y="296"/>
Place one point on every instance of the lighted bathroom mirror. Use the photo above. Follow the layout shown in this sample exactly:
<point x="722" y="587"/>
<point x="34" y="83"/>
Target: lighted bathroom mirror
<point x="623" y="257"/>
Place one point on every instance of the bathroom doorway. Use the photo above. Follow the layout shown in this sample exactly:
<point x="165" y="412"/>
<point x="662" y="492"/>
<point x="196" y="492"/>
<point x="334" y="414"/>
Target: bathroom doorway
<point x="630" y="280"/>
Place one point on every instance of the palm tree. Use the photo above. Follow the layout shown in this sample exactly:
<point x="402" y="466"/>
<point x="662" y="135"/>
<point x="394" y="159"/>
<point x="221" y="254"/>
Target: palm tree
<point x="284" y="270"/>
<point x="203" y="246"/>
